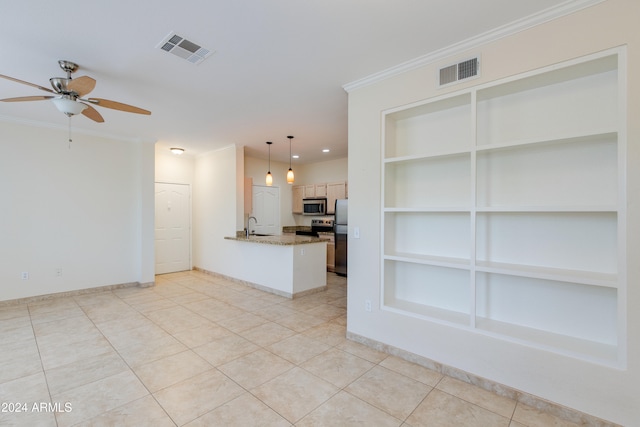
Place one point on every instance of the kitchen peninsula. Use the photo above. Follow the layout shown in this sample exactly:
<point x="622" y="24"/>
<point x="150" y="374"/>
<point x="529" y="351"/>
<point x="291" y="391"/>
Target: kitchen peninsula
<point x="287" y="265"/>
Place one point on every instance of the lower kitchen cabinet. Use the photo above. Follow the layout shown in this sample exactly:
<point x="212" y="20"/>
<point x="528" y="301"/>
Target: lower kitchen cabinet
<point x="331" y="251"/>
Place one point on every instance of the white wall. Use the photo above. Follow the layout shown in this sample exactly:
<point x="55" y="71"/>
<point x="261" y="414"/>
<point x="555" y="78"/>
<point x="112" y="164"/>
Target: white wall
<point x="87" y="210"/>
<point x="602" y="391"/>
<point x="326" y="171"/>
<point x="172" y="168"/>
<point x="218" y="184"/>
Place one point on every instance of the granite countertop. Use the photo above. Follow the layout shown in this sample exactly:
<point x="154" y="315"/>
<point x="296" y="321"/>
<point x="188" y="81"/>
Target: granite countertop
<point x="281" y="240"/>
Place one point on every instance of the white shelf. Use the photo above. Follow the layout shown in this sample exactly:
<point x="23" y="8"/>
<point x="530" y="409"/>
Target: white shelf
<point x="593" y="278"/>
<point x="504" y="208"/>
<point x="596" y="351"/>
<point x="549" y="209"/>
<point x="581" y="241"/>
<point x="441" y="234"/>
<point x="434" y="155"/>
<point x="555" y="75"/>
<point x="565" y="308"/>
<point x="427" y="209"/>
<point x="560" y="138"/>
<point x="428" y="312"/>
<point x="428" y="182"/>
<point x="425" y="285"/>
<point x="583" y="172"/>
<point x="440" y="261"/>
<point x="446" y="123"/>
<point x="569" y="138"/>
<point x="550" y="105"/>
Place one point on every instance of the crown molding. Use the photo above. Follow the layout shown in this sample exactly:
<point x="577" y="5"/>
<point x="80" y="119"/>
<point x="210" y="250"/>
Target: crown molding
<point x="514" y="27"/>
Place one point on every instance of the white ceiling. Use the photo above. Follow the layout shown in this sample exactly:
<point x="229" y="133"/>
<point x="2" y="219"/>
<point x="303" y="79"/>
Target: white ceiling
<point x="278" y="69"/>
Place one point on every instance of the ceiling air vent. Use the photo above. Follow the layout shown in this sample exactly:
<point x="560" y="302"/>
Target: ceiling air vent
<point x="185" y="49"/>
<point x="460" y="71"/>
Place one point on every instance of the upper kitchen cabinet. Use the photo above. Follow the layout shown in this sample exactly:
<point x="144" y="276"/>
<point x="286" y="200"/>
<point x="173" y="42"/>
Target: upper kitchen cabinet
<point x="297" y="194"/>
<point x="321" y="190"/>
<point x="309" y="191"/>
<point x="332" y="191"/>
<point x="335" y="191"/>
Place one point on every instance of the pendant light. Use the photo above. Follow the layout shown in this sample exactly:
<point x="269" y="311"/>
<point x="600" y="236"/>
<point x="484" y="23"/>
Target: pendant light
<point x="269" y="179"/>
<point x="290" y="172"/>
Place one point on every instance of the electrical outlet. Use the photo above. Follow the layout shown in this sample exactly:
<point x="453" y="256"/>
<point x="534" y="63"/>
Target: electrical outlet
<point x="356" y="232"/>
<point x="301" y="251"/>
<point x="25" y="275"/>
<point x="367" y="305"/>
<point x="58" y="272"/>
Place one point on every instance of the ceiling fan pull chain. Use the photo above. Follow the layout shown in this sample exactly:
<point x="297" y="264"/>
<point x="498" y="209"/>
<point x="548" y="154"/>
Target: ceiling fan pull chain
<point x="70" y="140"/>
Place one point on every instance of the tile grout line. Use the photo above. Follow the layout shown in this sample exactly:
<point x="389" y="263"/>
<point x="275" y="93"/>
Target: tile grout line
<point x="129" y="368"/>
<point x="332" y="346"/>
<point x="295" y="365"/>
<point x="44" y="374"/>
<point x="218" y="370"/>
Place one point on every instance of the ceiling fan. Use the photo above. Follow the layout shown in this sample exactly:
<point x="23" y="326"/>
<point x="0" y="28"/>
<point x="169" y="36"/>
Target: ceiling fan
<point x="68" y="95"/>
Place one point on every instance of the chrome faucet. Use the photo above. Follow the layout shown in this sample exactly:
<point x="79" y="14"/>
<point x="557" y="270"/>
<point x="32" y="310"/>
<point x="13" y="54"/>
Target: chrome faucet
<point x="246" y="230"/>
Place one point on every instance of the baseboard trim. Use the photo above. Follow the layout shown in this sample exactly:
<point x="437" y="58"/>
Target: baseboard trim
<point x="77" y="292"/>
<point x="546" y="406"/>
<point x="262" y="288"/>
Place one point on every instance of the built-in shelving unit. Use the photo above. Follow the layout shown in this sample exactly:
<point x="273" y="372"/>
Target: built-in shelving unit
<point x="504" y="208"/>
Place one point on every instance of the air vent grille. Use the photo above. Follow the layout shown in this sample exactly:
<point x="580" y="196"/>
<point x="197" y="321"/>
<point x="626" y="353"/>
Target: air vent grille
<point x="460" y="71"/>
<point x="185" y="49"/>
<point x="448" y="74"/>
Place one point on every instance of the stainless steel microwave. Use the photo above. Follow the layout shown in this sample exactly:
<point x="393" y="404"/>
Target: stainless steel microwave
<point x="314" y="206"/>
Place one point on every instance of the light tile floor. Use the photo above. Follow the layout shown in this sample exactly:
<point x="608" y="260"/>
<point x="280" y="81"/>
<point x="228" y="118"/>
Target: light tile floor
<point x="197" y="350"/>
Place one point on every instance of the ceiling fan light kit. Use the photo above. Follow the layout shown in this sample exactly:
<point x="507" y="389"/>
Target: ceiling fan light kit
<point x="68" y="95"/>
<point x="68" y="106"/>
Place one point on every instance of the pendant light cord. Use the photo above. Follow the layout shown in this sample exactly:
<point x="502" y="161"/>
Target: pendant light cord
<point x="290" y="178"/>
<point x="269" y="179"/>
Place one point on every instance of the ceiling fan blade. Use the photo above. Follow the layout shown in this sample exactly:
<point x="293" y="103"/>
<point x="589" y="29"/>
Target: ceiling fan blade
<point x="27" y="98"/>
<point x="117" y="106"/>
<point x="82" y="85"/>
<point x="92" y="113"/>
<point x="26" y="83"/>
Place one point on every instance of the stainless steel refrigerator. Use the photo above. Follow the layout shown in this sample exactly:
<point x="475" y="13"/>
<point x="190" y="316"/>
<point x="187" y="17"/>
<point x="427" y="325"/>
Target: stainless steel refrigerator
<point x="341" y="233"/>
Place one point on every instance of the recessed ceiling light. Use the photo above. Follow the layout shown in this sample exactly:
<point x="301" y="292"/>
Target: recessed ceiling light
<point x="295" y="156"/>
<point x="326" y="150"/>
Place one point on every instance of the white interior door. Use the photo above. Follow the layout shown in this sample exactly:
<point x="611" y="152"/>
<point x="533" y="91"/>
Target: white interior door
<point x="266" y="209"/>
<point x="173" y="228"/>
